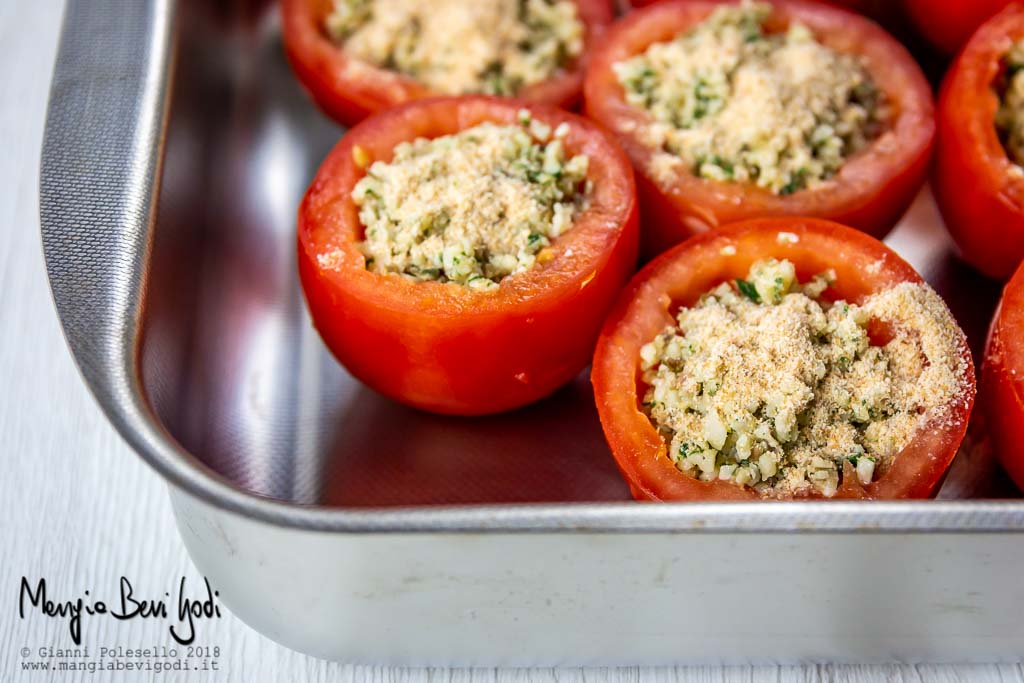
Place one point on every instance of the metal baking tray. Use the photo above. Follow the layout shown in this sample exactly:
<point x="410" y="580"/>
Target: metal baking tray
<point x="344" y="525"/>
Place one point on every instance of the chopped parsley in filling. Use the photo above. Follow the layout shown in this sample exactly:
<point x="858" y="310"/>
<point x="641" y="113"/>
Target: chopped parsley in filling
<point x="461" y="46"/>
<point x="1010" y="117"/>
<point x="731" y="102"/>
<point x="474" y="207"/>
<point x="765" y="383"/>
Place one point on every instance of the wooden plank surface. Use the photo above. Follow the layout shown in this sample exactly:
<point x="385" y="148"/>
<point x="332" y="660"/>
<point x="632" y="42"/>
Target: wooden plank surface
<point x="78" y="508"/>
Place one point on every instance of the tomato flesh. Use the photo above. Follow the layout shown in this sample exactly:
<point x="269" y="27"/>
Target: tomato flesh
<point x="348" y="90"/>
<point x="447" y="348"/>
<point x="979" y="190"/>
<point x="863" y="266"/>
<point x="870" y="192"/>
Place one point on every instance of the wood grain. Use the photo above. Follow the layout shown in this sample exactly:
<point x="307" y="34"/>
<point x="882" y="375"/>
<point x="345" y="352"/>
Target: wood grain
<point x="81" y="510"/>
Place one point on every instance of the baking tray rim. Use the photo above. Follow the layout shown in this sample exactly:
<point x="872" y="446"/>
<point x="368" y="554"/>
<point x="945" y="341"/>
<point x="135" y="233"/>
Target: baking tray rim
<point x="106" y="346"/>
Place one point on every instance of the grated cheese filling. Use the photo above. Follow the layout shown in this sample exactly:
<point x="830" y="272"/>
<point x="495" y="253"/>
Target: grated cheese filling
<point x="731" y="102"/>
<point x="765" y="383"/>
<point x="474" y="207"/>
<point x="1010" y="116"/>
<point x="460" y="46"/>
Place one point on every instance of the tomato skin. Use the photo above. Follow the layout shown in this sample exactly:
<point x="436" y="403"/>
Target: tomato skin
<point x="678" y="277"/>
<point x="447" y="348"/>
<point x="871" y="191"/>
<point x="1002" y="380"/>
<point x="948" y="24"/>
<point x="348" y="90"/>
<point x="979" y="193"/>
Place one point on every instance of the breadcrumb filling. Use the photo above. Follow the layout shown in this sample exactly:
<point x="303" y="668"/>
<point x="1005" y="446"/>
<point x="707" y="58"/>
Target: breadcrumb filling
<point x="732" y="102"/>
<point x="474" y="207"/>
<point x="767" y="384"/>
<point x="461" y="46"/>
<point x="1010" y="116"/>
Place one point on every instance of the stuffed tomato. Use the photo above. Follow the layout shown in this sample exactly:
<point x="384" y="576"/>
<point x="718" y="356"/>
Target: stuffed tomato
<point x="978" y="174"/>
<point x="1002" y="379"/>
<point x="782" y="358"/>
<point x="357" y="57"/>
<point x="460" y="254"/>
<point x="762" y="109"/>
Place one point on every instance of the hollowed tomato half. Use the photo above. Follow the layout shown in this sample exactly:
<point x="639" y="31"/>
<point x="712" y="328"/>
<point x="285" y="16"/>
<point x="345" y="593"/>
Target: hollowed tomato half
<point x="870" y="192"/>
<point x="348" y="89"/>
<point x="445" y="347"/>
<point x="979" y="190"/>
<point x="1002" y="379"/>
<point x="863" y="266"/>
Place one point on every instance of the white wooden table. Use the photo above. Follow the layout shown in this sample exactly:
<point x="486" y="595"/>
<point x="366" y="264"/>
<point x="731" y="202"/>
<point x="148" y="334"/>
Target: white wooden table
<point x="78" y="508"/>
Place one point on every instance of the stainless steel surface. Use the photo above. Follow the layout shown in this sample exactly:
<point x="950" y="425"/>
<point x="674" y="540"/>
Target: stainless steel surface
<point x="497" y="598"/>
<point x="187" y="319"/>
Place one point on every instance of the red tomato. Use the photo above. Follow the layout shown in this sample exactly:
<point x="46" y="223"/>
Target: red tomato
<point x="947" y="24"/>
<point x="348" y="89"/>
<point x="448" y="348"/>
<point x="979" y="190"/>
<point x="870" y="192"/>
<point x="1002" y="379"/>
<point x="863" y="266"/>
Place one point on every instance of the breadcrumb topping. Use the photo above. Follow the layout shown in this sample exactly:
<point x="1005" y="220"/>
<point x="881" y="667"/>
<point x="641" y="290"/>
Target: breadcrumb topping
<point x="461" y="46"/>
<point x="767" y="384"/>
<point x="731" y="102"/>
<point x="474" y="207"/>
